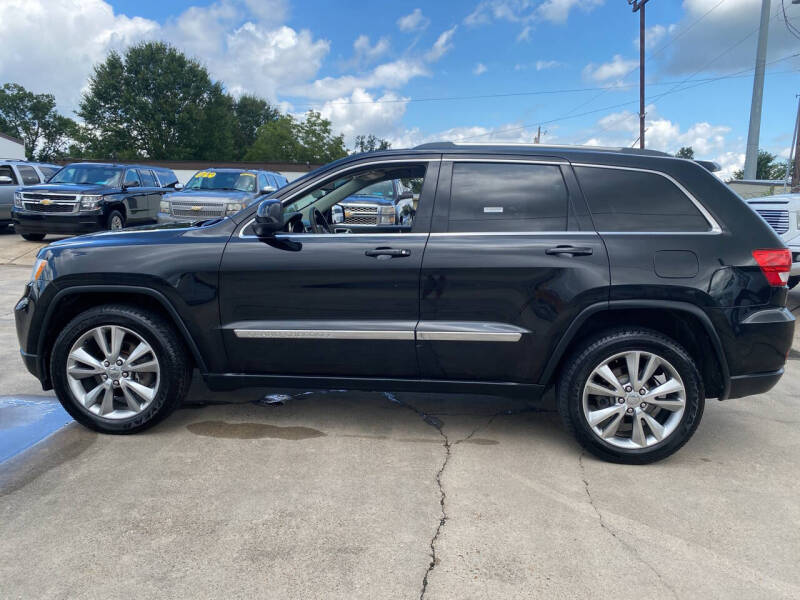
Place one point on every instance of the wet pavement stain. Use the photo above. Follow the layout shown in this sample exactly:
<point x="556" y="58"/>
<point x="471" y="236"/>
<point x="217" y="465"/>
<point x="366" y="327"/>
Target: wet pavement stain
<point x="481" y="442"/>
<point x="252" y="431"/>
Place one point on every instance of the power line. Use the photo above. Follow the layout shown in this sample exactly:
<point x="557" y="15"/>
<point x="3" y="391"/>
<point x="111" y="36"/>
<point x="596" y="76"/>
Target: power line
<point x="793" y="29"/>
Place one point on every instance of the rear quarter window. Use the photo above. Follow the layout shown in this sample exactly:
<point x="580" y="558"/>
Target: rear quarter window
<point x="147" y="178"/>
<point x="507" y="197"/>
<point x="630" y="201"/>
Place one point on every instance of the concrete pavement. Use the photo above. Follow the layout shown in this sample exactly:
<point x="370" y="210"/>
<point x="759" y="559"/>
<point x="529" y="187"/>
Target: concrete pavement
<point x="366" y="495"/>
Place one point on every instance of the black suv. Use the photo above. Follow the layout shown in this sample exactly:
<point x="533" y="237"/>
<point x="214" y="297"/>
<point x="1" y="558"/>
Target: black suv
<point x="86" y="197"/>
<point x="637" y="284"/>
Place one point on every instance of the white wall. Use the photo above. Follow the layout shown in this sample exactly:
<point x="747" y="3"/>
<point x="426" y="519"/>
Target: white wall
<point x="9" y="149"/>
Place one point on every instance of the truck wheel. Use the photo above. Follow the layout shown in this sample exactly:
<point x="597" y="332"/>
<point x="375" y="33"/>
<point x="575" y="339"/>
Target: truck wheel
<point x="631" y="396"/>
<point x="116" y="221"/>
<point x="33" y="237"/>
<point x="793" y="281"/>
<point x="119" y="369"/>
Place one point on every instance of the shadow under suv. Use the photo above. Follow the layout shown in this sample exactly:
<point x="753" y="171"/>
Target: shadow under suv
<point x="635" y="283"/>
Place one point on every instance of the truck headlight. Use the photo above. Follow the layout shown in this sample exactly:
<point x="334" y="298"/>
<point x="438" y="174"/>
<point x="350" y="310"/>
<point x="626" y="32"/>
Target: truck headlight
<point x="90" y="202"/>
<point x="165" y="206"/>
<point x="18" y="200"/>
<point x="387" y="215"/>
<point x="234" y="208"/>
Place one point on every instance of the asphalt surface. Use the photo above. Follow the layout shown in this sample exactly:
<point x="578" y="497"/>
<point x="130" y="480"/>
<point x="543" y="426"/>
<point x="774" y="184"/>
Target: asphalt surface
<point x="365" y="495"/>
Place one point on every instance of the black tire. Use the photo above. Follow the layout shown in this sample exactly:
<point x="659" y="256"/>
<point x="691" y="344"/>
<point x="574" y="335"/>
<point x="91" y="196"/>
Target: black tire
<point x="793" y="281"/>
<point x="176" y="367"/>
<point x="592" y="353"/>
<point x="33" y="237"/>
<point x="115" y="217"/>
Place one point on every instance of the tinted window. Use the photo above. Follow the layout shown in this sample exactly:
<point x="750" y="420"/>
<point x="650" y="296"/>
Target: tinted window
<point x="48" y="172"/>
<point x="262" y="181"/>
<point x="6" y="171"/>
<point x="147" y="178"/>
<point x="29" y="175"/>
<point x="507" y="197"/>
<point x="623" y="200"/>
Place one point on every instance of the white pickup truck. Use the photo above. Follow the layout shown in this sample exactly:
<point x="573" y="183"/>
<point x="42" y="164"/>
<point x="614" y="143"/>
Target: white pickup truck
<point x="782" y="212"/>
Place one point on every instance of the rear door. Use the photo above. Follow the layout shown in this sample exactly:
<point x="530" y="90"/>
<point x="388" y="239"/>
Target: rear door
<point x="135" y="196"/>
<point x="152" y="193"/>
<point x="511" y="260"/>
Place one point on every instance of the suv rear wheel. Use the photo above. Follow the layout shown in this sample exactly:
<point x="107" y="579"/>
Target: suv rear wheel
<point x="119" y="369"/>
<point x="33" y="237"/>
<point x="631" y="396"/>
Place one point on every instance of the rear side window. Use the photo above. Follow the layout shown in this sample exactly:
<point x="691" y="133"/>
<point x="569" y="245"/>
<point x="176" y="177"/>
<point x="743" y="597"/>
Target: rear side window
<point x="147" y="178"/>
<point x="29" y="175"/>
<point x="507" y="197"/>
<point x="623" y="200"/>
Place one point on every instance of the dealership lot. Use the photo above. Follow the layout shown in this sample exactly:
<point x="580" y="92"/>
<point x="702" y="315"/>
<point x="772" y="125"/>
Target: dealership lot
<point x="347" y="494"/>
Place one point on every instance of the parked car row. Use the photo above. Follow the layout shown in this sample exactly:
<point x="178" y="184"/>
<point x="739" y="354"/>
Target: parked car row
<point x="88" y="197"/>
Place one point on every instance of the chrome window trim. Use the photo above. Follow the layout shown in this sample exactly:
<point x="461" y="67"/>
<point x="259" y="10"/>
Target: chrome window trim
<point x="344" y="169"/>
<point x="715" y="228"/>
<point x="560" y="232"/>
<point x="525" y="161"/>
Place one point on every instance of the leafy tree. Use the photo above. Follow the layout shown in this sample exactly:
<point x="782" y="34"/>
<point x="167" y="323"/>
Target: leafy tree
<point x="685" y="152"/>
<point x="34" y="119"/>
<point x="155" y="102"/>
<point x="369" y="143"/>
<point x="276" y="141"/>
<point x="251" y="113"/>
<point x="317" y="142"/>
<point x="285" y="139"/>
<point x="767" y="167"/>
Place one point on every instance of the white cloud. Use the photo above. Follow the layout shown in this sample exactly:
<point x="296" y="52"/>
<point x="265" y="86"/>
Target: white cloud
<point x="268" y="11"/>
<point x="390" y="75"/>
<point x="365" y="52"/>
<point x="362" y="113"/>
<point x="617" y="68"/>
<point x="542" y="65"/>
<point x="557" y="11"/>
<point x="525" y="34"/>
<point x="442" y="45"/>
<point x="415" y="21"/>
<point x="526" y="11"/>
<point x="479" y="69"/>
<point x="654" y="36"/>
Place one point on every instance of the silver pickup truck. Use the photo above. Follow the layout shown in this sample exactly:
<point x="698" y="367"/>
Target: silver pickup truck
<point x="782" y="212"/>
<point x="15" y="173"/>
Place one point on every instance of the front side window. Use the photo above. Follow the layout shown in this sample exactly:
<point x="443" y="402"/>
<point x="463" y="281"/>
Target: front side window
<point x="29" y="175"/>
<point x="364" y="201"/>
<point x="501" y="197"/>
<point x="48" y="172"/>
<point x="223" y="180"/>
<point x="88" y="174"/>
<point x="629" y="201"/>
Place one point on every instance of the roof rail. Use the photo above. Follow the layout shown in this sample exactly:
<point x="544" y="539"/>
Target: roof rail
<point x="453" y="145"/>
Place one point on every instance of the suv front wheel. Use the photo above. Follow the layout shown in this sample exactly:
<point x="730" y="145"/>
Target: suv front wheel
<point x="119" y="369"/>
<point x="631" y="396"/>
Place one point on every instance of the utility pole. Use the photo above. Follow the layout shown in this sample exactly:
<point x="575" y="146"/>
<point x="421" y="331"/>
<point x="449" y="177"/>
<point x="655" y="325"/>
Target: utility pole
<point x="753" y="133"/>
<point x="638" y="5"/>
<point x="794" y="161"/>
<point x="538" y="137"/>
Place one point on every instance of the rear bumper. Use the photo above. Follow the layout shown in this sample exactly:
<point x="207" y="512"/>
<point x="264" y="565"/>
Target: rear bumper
<point x="29" y="222"/>
<point x="754" y="383"/>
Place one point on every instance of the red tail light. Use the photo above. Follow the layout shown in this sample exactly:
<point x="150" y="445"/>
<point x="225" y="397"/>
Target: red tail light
<point x="775" y="264"/>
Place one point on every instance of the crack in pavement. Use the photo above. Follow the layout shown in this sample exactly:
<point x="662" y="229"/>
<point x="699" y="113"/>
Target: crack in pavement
<point x="628" y="547"/>
<point x="438" y="424"/>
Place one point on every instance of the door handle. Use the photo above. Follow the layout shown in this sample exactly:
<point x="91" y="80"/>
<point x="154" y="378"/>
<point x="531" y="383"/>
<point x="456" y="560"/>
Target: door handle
<point x="569" y="251"/>
<point x="389" y="252"/>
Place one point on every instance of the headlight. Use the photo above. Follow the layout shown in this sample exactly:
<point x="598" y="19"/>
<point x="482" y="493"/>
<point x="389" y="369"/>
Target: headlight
<point x="387" y="215"/>
<point x="90" y="202"/>
<point x="18" y="200"/>
<point x="38" y="269"/>
<point x="234" y="208"/>
<point x="165" y="206"/>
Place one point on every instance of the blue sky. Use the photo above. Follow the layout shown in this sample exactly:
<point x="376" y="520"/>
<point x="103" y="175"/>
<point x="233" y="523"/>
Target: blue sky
<point x="371" y="67"/>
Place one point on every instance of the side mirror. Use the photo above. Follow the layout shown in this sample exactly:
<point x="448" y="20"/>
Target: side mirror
<point x="268" y="189"/>
<point x="178" y="186"/>
<point x="406" y="196"/>
<point x="5" y="180"/>
<point x="269" y="218"/>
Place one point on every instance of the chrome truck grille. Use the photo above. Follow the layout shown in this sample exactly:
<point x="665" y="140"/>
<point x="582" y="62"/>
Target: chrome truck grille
<point x="360" y="214"/>
<point x="203" y="210"/>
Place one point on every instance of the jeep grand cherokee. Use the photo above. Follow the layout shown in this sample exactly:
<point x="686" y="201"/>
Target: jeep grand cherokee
<point x="637" y="284"/>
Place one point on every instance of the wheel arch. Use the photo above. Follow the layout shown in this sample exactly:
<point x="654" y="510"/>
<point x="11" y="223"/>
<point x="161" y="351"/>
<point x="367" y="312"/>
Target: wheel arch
<point x="71" y="301"/>
<point x="686" y="323"/>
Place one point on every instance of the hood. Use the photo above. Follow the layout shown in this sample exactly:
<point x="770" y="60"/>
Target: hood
<point x="68" y="188"/>
<point x="200" y="196"/>
<point x="379" y="200"/>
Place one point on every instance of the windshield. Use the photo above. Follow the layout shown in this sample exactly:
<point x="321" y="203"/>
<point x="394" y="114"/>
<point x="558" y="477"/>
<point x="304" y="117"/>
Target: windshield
<point x="88" y="174"/>
<point x="222" y="180"/>
<point x="383" y="189"/>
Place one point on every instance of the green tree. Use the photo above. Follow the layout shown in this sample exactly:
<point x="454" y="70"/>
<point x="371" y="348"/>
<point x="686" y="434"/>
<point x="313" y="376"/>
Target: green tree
<point x="685" y="152"/>
<point x="155" y="102"/>
<point x="33" y="118"/>
<point x="285" y="139"/>
<point x="251" y="113"/>
<point x="369" y="143"/>
<point x="276" y="141"/>
<point x="317" y="142"/>
<point x="767" y="167"/>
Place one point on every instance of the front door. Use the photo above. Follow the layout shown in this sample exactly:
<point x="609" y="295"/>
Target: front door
<point x="511" y="260"/>
<point x="336" y="301"/>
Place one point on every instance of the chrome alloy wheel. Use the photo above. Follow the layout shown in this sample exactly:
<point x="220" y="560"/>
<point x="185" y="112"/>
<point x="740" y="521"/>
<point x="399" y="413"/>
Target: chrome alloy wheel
<point x="116" y="223"/>
<point x="634" y="399"/>
<point x="113" y="372"/>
